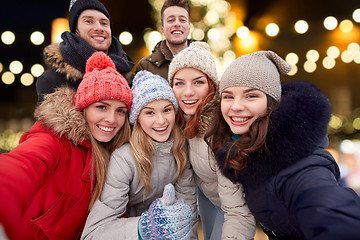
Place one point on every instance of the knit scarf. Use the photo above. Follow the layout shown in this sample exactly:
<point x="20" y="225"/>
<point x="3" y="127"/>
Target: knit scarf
<point x="76" y="51"/>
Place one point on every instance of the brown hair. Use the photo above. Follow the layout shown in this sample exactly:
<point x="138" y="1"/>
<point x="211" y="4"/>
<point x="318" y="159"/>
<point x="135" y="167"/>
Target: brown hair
<point x="101" y="153"/>
<point x="220" y="134"/>
<point x="191" y="126"/>
<point x="175" y="3"/>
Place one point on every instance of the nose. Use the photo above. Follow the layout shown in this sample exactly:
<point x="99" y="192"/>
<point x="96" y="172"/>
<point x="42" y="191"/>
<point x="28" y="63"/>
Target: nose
<point x="238" y="105"/>
<point x="160" y="119"/>
<point x="110" y="117"/>
<point x="189" y="90"/>
<point x="99" y="27"/>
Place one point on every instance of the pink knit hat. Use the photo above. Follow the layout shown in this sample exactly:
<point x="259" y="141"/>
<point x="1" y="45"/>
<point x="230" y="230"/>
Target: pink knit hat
<point x="102" y="82"/>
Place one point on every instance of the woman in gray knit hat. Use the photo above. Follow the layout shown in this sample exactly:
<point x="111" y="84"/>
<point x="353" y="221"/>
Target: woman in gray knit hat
<point x="223" y="211"/>
<point x="270" y="137"/>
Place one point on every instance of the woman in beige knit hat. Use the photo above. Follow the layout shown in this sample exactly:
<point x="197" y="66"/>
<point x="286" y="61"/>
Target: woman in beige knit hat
<point x="223" y="210"/>
<point x="270" y="137"/>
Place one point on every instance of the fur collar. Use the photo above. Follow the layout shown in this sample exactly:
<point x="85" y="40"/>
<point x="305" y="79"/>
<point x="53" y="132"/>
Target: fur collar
<point x="54" y="59"/>
<point x="207" y="115"/>
<point x="58" y="113"/>
<point x="296" y="129"/>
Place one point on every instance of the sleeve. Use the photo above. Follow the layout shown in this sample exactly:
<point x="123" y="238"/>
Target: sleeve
<point x="23" y="171"/>
<point x="239" y="223"/>
<point x="105" y="218"/>
<point x="186" y="189"/>
<point x="323" y="208"/>
<point x="46" y="84"/>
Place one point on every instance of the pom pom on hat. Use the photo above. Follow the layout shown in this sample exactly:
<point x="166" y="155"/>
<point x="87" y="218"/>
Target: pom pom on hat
<point x="78" y="6"/>
<point x="260" y="70"/>
<point x="197" y="56"/>
<point x="148" y="87"/>
<point x="102" y="82"/>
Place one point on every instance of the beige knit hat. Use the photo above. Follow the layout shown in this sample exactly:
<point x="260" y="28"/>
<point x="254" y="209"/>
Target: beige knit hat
<point x="260" y="70"/>
<point x="197" y="56"/>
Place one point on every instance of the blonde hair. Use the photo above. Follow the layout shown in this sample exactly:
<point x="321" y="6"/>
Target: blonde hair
<point x="143" y="148"/>
<point x="101" y="153"/>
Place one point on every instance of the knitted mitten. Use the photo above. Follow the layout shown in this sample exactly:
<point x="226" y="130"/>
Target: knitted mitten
<point x="167" y="218"/>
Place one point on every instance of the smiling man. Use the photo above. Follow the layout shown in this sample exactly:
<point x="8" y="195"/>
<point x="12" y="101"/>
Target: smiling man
<point x="175" y="19"/>
<point x="90" y="31"/>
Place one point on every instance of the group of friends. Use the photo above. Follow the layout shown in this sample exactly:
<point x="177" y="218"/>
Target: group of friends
<point x="121" y="155"/>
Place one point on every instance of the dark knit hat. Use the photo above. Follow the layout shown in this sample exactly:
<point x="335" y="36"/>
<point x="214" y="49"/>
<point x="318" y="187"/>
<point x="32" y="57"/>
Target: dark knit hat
<point x="260" y="70"/>
<point x="78" y="6"/>
<point x="102" y="82"/>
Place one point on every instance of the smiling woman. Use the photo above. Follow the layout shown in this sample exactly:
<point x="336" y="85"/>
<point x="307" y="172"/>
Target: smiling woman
<point x="61" y="161"/>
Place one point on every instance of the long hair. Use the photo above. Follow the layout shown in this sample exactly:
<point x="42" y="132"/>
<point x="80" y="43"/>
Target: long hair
<point x="191" y="126"/>
<point x="101" y="153"/>
<point x="220" y="134"/>
<point x="143" y="149"/>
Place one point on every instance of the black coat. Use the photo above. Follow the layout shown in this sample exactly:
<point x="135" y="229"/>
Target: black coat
<point x="293" y="188"/>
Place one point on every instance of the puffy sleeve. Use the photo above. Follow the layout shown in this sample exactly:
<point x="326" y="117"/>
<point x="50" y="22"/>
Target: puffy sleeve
<point x="105" y="218"/>
<point x="23" y="171"/>
<point x="186" y="189"/>
<point x="323" y="208"/>
<point x="239" y="223"/>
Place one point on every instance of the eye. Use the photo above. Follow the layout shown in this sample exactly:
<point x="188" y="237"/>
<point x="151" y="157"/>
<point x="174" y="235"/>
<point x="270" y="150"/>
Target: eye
<point x="122" y="111"/>
<point x="105" y="23"/>
<point x="227" y="96"/>
<point x="101" y="107"/>
<point x="198" y="82"/>
<point x="149" y="112"/>
<point x="178" y="84"/>
<point x="169" y="109"/>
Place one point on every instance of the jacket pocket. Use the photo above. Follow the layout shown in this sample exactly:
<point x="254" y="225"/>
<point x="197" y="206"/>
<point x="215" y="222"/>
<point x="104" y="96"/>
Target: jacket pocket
<point x="54" y="215"/>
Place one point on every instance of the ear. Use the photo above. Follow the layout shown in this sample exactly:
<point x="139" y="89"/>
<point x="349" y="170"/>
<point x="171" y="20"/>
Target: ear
<point x="162" y="30"/>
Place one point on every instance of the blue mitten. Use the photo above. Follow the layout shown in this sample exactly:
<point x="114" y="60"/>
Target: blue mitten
<point x="167" y="218"/>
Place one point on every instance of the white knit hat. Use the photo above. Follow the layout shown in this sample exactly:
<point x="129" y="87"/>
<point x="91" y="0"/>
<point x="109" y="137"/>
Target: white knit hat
<point x="260" y="70"/>
<point x="148" y="87"/>
<point x="197" y="56"/>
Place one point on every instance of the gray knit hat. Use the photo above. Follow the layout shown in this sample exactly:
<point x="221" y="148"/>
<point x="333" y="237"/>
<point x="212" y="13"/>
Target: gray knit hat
<point x="148" y="87"/>
<point x="260" y="70"/>
<point x="197" y="56"/>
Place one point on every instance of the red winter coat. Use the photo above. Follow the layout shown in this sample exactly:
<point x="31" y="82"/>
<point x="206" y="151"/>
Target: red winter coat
<point x="45" y="182"/>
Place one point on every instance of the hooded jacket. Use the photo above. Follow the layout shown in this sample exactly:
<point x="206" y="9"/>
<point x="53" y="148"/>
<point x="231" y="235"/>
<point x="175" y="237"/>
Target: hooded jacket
<point x="238" y="220"/>
<point x="46" y="181"/>
<point x="67" y="61"/>
<point x="292" y="187"/>
<point x="158" y="61"/>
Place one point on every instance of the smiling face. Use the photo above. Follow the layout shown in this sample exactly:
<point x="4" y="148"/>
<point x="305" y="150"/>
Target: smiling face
<point x="157" y="119"/>
<point x="94" y="27"/>
<point x="105" y="118"/>
<point x="191" y="88"/>
<point x="241" y="106"/>
<point x="176" y="26"/>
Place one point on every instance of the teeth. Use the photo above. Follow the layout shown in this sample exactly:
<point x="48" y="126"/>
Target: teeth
<point x="239" y="119"/>
<point x="177" y="32"/>
<point x="189" y="101"/>
<point x="99" y="38"/>
<point x="106" y="129"/>
<point x="160" y="129"/>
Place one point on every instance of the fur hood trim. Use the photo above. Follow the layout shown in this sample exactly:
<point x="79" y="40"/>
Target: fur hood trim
<point x="207" y="114"/>
<point x="58" y="113"/>
<point x="54" y="59"/>
<point x="296" y="129"/>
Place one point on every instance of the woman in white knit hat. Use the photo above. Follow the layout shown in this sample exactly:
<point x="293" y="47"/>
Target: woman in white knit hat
<point x="271" y="138"/>
<point x="139" y="171"/>
<point x="223" y="210"/>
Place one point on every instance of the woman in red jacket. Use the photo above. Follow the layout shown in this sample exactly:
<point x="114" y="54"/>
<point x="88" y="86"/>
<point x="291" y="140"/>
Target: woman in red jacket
<point x="52" y="178"/>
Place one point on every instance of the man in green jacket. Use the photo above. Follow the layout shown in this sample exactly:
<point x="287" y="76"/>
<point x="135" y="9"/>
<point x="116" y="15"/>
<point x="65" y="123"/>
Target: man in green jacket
<point x="175" y="19"/>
